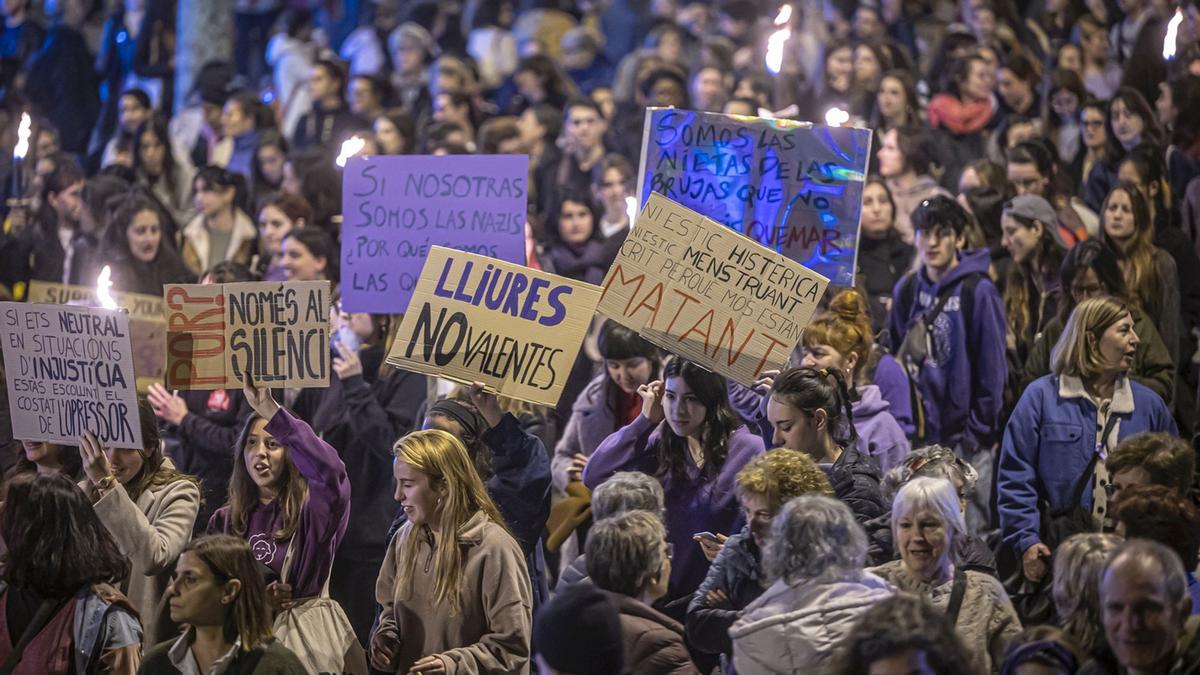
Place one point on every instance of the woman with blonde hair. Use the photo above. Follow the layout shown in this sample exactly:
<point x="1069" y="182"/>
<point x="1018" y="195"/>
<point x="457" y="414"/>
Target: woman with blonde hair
<point x="1057" y="441"/>
<point x="842" y="339"/>
<point x="149" y="509"/>
<point x="454" y="593"/>
<point x="1078" y="564"/>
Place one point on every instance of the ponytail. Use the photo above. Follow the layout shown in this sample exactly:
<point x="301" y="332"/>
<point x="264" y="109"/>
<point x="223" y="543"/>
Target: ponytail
<point x="812" y="389"/>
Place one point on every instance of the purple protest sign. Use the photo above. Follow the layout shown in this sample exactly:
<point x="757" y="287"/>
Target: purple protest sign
<point x="396" y="208"/>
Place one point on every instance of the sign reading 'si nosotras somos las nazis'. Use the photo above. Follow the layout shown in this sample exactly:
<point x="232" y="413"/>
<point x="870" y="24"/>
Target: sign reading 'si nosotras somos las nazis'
<point x="700" y="290"/>
<point x="279" y="332"/>
<point x="474" y="318"/>
<point x="69" y="370"/>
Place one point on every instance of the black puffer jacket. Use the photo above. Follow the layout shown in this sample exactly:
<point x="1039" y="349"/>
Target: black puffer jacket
<point x="855" y="480"/>
<point x="737" y="572"/>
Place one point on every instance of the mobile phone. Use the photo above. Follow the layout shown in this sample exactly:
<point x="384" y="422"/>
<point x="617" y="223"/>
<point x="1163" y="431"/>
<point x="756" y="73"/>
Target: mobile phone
<point x="706" y="535"/>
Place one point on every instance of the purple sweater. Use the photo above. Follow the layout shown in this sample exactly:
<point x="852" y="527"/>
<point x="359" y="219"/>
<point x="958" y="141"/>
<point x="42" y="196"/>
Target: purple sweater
<point x="692" y="503"/>
<point x="323" y="518"/>
<point x="879" y="435"/>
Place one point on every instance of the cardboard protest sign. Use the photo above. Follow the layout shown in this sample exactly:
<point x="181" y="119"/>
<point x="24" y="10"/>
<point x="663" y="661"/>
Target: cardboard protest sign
<point x="693" y="287"/>
<point x="793" y="187"/>
<point x="278" y="331"/>
<point x="475" y="319"/>
<point x="147" y="323"/>
<point x="395" y="209"/>
<point x="69" y="370"/>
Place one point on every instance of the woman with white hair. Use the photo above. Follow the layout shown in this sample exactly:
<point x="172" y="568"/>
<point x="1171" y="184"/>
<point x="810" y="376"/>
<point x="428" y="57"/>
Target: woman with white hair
<point x="927" y="521"/>
<point x="814" y="554"/>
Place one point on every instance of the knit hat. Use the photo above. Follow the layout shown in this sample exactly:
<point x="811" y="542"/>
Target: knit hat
<point x="1033" y="207"/>
<point x="410" y="34"/>
<point x="579" y="632"/>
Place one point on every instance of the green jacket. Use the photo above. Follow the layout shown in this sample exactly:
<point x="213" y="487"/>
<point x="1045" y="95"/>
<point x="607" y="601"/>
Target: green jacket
<point x="269" y="659"/>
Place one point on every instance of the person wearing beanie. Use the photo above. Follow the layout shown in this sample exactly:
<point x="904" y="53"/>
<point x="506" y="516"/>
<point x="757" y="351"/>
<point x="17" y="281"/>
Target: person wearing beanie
<point x="579" y="633"/>
<point x="1030" y="233"/>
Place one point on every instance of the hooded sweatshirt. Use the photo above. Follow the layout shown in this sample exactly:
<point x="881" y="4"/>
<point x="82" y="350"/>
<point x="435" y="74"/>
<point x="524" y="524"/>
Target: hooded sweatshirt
<point x="962" y="379"/>
<point x="797" y="628"/>
<point x="879" y="435"/>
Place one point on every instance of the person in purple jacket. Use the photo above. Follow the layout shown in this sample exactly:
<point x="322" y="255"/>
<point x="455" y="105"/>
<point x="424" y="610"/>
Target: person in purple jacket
<point x="696" y="454"/>
<point x="289" y="490"/>
<point x="841" y="338"/>
<point x="958" y="351"/>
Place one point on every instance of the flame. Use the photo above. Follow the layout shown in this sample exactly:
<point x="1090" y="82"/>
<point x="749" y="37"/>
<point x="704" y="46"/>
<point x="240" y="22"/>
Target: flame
<point x="23" y="133"/>
<point x="836" y="117"/>
<point x="350" y="147"/>
<point x="778" y="39"/>
<point x="1169" y="42"/>
<point x="103" y="288"/>
<point x="632" y="210"/>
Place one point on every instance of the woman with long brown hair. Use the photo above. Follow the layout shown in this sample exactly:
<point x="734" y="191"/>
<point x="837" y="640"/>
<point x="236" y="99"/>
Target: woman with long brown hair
<point x="453" y="592"/>
<point x="149" y="509"/>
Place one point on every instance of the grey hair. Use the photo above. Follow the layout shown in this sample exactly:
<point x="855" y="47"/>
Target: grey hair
<point x="627" y="491"/>
<point x="815" y="537"/>
<point x="1078" y="563"/>
<point x="1143" y="551"/>
<point x="935" y="495"/>
<point x="625" y="552"/>
<point x="932" y="461"/>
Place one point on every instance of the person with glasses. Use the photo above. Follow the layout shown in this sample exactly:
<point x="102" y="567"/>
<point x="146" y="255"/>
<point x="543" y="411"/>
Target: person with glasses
<point x="1032" y="169"/>
<point x="629" y="557"/>
<point x="948" y="329"/>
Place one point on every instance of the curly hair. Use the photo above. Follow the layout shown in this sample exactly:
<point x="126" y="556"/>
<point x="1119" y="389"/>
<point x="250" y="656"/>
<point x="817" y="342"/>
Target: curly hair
<point x="1167" y="459"/>
<point x="781" y="475"/>
<point x="901" y="623"/>
<point x="1161" y="514"/>
<point x="813" y="538"/>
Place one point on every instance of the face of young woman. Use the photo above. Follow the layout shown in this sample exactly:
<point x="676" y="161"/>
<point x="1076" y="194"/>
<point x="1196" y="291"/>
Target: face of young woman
<point x="613" y="190"/>
<point x="1086" y="284"/>
<point x="1092" y="122"/>
<point x="195" y="597"/>
<point x="1070" y="58"/>
<point x="125" y="463"/>
<point x="891" y="98"/>
<point x="211" y="199"/>
<point x="979" y="82"/>
<point x="1117" y="219"/>
<point x="388" y="137"/>
<point x="273" y="226"/>
<point x="270" y="162"/>
<point x="629" y="374"/>
<point x="144" y="235"/>
<point x="265" y="458"/>
<point x="153" y="153"/>
<point x="575" y="223"/>
<point x="923" y="543"/>
<point x="866" y="66"/>
<point x="41" y="452"/>
<point x="1164" y="105"/>
<point x="891" y="160"/>
<point x="1065" y="104"/>
<point x="416" y="493"/>
<point x="877" y="211"/>
<point x="1118" y="345"/>
<point x="1018" y="240"/>
<point x="839" y="68"/>
<point x="824" y="356"/>
<point x="299" y="262"/>
<point x="794" y="429"/>
<point x="684" y="411"/>
<point x="1127" y="125"/>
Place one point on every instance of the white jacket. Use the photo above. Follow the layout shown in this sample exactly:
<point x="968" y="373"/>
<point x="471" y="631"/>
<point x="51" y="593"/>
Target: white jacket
<point x="796" y="629"/>
<point x="292" y="61"/>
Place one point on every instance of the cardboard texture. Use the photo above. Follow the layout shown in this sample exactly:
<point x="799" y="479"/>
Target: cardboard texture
<point x="475" y="319"/>
<point x="794" y="187"/>
<point x="279" y="331"/>
<point x="147" y="323"/>
<point x="397" y="208"/>
<point x="69" y="370"/>
<point x="713" y="296"/>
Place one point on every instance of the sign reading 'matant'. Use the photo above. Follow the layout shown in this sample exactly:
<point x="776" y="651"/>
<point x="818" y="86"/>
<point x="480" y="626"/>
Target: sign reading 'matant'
<point x="395" y="209"/>
<point x="276" y="331"/>
<point x="69" y="370"/>
<point x="475" y="319"/>
<point x="793" y="187"/>
<point x="697" y="289"/>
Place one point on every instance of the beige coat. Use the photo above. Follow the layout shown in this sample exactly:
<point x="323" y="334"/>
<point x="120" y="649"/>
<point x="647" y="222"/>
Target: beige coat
<point x="151" y="532"/>
<point x="195" y="249"/>
<point x="986" y="622"/>
<point x="491" y="634"/>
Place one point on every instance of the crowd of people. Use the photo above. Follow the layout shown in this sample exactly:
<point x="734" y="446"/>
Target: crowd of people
<point x="979" y="459"/>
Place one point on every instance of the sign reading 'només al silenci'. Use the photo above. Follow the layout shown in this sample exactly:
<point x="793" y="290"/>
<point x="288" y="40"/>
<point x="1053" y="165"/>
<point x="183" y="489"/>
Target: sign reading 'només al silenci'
<point x="69" y="370"/>
<point x="476" y="319"/>
<point x="713" y="296"/>
<point x="395" y="209"/>
<point x="276" y="331"/>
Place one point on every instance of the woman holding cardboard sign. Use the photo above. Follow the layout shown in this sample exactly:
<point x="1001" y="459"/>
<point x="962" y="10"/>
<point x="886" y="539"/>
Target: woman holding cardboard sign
<point x="696" y="454"/>
<point x="149" y="509"/>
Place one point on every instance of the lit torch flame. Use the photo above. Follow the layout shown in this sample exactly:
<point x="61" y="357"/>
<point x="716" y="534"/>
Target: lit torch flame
<point x="103" y="289"/>
<point x="778" y="39"/>
<point x="1172" y="35"/>
<point x="350" y="147"/>
<point x="631" y="209"/>
<point x="23" y="133"/>
<point x="836" y="117"/>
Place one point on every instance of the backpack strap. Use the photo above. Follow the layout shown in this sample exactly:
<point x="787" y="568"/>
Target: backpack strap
<point x="956" y="595"/>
